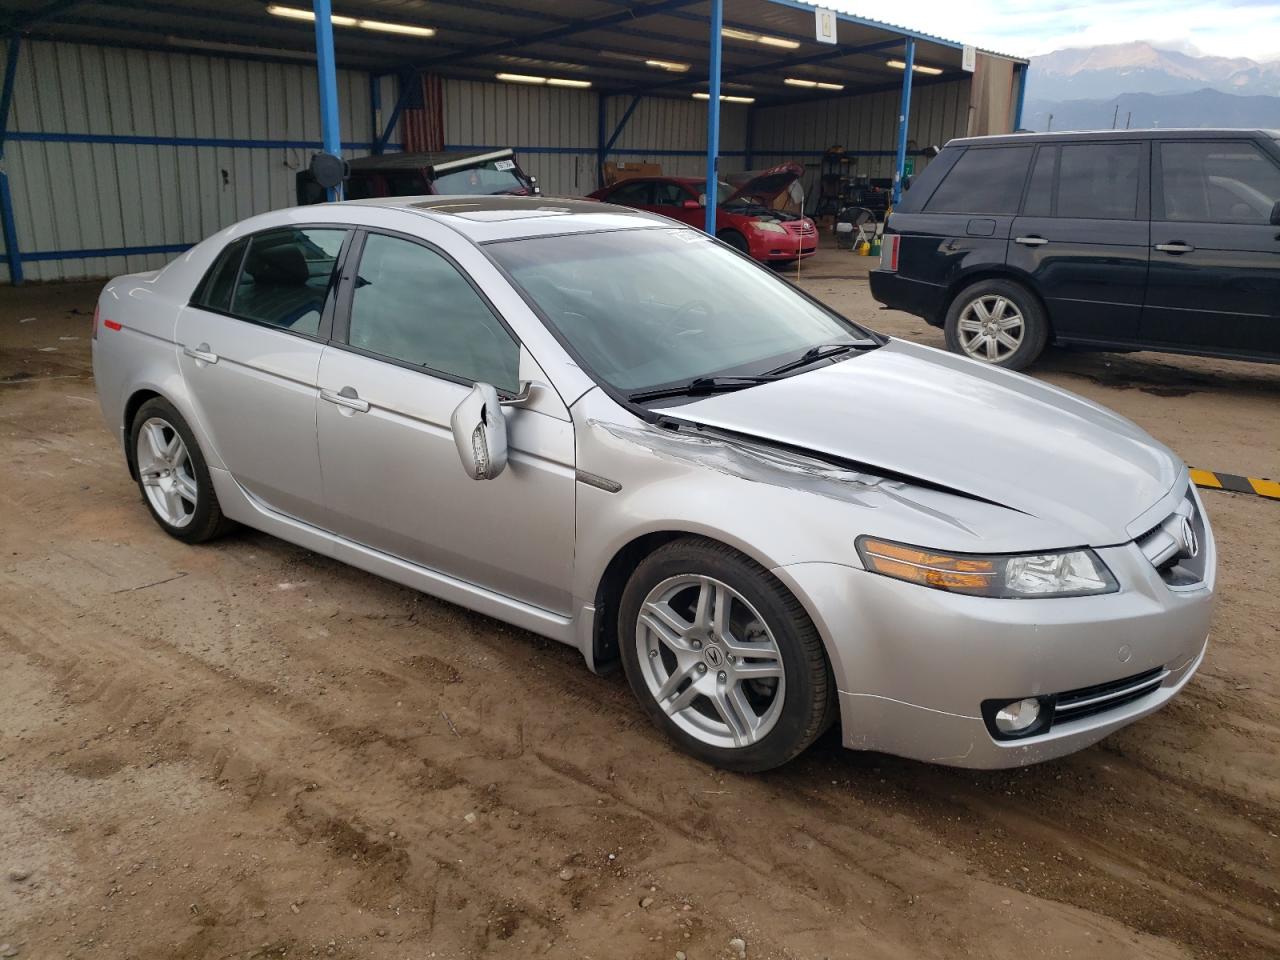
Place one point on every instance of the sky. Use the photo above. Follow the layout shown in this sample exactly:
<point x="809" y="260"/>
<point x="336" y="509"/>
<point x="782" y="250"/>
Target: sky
<point x="1226" y="28"/>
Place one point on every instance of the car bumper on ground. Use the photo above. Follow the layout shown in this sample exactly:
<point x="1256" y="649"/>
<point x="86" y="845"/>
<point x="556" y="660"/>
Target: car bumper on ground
<point x="910" y="296"/>
<point x="913" y="665"/>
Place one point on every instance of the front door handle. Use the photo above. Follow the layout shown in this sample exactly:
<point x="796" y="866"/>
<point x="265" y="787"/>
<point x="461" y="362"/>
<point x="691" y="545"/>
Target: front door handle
<point x="1031" y="241"/>
<point x="346" y="397"/>
<point x="1176" y="247"/>
<point x="201" y="353"/>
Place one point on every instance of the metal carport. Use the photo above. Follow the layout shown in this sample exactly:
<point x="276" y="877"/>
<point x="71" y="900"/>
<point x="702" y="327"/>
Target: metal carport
<point x="634" y="64"/>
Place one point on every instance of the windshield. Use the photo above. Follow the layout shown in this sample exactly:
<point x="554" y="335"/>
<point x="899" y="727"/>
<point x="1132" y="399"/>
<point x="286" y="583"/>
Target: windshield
<point x="650" y="308"/>
<point x="496" y="176"/>
<point x="723" y="192"/>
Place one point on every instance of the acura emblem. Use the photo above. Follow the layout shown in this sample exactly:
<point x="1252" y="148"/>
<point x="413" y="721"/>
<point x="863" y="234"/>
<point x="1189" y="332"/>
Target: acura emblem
<point x="1190" y="543"/>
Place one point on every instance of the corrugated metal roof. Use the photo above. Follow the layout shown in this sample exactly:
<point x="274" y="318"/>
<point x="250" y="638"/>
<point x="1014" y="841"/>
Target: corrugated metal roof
<point x="604" y="41"/>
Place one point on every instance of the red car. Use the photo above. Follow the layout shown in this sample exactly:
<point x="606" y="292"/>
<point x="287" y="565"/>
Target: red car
<point x="746" y="218"/>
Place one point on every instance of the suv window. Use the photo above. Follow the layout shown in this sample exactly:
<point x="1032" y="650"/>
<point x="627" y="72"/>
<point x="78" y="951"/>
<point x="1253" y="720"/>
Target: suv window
<point x="1040" y="189"/>
<point x="1218" y="182"/>
<point x="1098" y="180"/>
<point x="631" y="194"/>
<point x="412" y="305"/>
<point x="215" y="289"/>
<point x="984" y="180"/>
<point x="286" y="275"/>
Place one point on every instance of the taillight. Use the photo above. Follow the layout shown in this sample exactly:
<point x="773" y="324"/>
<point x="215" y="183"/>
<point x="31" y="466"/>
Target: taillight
<point x="889" y="252"/>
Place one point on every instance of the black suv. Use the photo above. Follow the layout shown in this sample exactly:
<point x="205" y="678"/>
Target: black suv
<point x="1132" y="240"/>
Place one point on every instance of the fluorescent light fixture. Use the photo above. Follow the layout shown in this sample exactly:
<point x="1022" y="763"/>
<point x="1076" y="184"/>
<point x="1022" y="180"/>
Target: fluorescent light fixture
<point x="542" y="81"/>
<point x="339" y="20"/>
<point x="750" y="37"/>
<point x="670" y="66"/>
<point x="726" y="98"/>
<point x="915" y="67"/>
<point x="812" y="84"/>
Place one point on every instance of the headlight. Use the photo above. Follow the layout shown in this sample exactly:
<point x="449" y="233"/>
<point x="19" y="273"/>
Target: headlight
<point x="1071" y="573"/>
<point x="768" y="226"/>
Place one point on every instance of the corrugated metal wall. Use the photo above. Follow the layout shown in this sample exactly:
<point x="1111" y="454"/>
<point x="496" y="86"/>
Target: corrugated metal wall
<point x="865" y="125"/>
<point x="111" y="148"/>
<point x="554" y="131"/>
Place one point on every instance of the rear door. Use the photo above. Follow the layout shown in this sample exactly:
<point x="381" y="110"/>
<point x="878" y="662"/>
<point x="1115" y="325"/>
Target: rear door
<point x="1083" y="237"/>
<point x="965" y="224"/>
<point x="251" y="344"/>
<point x="1215" y="258"/>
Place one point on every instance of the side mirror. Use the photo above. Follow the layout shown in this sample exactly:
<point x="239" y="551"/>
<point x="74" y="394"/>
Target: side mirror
<point x="691" y="205"/>
<point x="480" y="433"/>
<point x="1275" y="214"/>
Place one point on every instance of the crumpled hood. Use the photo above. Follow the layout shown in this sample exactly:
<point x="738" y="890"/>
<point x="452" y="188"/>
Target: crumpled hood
<point x="956" y="423"/>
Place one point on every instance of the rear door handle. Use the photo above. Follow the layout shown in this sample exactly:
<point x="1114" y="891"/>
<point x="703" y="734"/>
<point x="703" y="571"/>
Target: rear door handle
<point x="346" y="397"/>
<point x="201" y="353"/>
<point x="1031" y="241"/>
<point x="1176" y="247"/>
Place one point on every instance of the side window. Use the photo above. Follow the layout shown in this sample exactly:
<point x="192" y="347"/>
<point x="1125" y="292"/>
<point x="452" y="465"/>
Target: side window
<point x="1218" y="182"/>
<point x="639" y="192"/>
<point x="1099" y="180"/>
<point x="215" y="289"/>
<point x="984" y="180"/>
<point x="411" y="304"/>
<point x="285" y="278"/>
<point x="1040" y="189"/>
<point x="669" y="194"/>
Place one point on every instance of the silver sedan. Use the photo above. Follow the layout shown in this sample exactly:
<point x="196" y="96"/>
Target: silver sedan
<point x="614" y="431"/>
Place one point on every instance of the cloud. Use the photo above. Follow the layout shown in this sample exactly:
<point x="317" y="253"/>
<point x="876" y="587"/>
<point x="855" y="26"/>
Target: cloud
<point x="1227" y="28"/>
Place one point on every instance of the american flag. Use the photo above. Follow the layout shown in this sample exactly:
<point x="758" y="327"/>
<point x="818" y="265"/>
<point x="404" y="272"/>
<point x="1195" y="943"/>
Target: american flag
<point x="422" y="120"/>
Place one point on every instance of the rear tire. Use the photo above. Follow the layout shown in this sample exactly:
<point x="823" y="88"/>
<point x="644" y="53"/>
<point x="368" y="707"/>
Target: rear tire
<point x="172" y="474"/>
<point x="723" y="657"/>
<point x="997" y="322"/>
<point x="736" y="240"/>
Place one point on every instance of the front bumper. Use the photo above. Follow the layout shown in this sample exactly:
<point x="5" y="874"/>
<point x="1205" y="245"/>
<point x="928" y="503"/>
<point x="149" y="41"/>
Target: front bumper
<point x="913" y="665"/>
<point x="781" y="246"/>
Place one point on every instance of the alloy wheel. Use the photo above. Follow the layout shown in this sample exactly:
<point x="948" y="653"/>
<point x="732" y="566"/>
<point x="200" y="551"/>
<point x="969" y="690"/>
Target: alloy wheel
<point x="710" y="661"/>
<point x="991" y="328"/>
<point x="164" y="466"/>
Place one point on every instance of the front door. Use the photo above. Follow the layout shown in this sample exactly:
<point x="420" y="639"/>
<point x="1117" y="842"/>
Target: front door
<point x="1083" y="237"/>
<point x="251" y="342"/>
<point x="1215" y="258"/>
<point x="413" y="334"/>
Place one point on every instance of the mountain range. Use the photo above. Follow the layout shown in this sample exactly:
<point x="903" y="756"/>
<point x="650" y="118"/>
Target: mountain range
<point x="1082" y="88"/>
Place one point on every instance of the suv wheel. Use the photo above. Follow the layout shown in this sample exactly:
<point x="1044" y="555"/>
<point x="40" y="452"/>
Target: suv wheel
<point x="998" y="322"/>
<point x="734" y="239"/>
<point x="722" y="656"/>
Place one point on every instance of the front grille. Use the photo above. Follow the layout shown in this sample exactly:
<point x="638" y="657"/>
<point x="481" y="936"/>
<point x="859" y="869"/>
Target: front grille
<point x="1089" y="701"/>
<point x="1176" y="546"/>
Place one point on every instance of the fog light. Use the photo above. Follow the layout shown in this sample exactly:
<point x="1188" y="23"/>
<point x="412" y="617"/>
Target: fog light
<point x="1017" y="716"/>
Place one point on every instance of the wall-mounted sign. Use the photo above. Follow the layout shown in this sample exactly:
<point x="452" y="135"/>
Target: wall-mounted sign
<point x="970" y="61"/>
<point x="825" y="23"/>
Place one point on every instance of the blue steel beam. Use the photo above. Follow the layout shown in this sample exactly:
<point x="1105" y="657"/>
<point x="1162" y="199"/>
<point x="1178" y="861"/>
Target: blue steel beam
<point x="1022" y="94"/>
<point x="904" y="117"/>
<point x="622" y="123"/>
<point x="19" y="23"/>
<point x="402" y="98"/>
<point x="327" y="75"/>
<point x="711" y="187"/>
<point x="10" y="231"/>
<point x="375" y="107"/>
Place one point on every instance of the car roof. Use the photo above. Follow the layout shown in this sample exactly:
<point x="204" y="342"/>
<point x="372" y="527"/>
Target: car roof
<point x="488" y="219"/>
<point x="1170" y="133"/>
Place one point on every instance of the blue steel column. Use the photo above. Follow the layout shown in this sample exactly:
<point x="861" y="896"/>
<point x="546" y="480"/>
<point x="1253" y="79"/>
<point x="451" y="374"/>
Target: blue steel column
<point x="713" y="115"/>
<point x="1022" y="93"/>
<point x="904" y="117"/>
<point x="11" y="251"/>
<point x="328" y="76"/>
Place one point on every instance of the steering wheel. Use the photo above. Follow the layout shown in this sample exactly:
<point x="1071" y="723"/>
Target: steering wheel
<point x="686" y="310"/>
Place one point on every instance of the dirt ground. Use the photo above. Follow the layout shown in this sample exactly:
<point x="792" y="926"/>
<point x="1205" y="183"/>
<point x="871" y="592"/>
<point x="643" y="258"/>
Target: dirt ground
<point x="246" y="750"/>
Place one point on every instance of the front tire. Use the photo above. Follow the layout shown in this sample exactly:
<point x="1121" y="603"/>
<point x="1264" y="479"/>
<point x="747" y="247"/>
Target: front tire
<point x="998" y="322"/>
<point x="723" y="658"/>
<point x="172" y="474"/>
<point x="736" y="240"/>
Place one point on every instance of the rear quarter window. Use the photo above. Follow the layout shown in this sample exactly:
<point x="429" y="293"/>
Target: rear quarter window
<point x="983" y="180"/>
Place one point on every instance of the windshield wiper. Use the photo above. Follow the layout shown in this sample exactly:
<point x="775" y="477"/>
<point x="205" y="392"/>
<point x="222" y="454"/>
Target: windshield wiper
<point x="700" y="385"/>
<point x="823" y="351"/>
